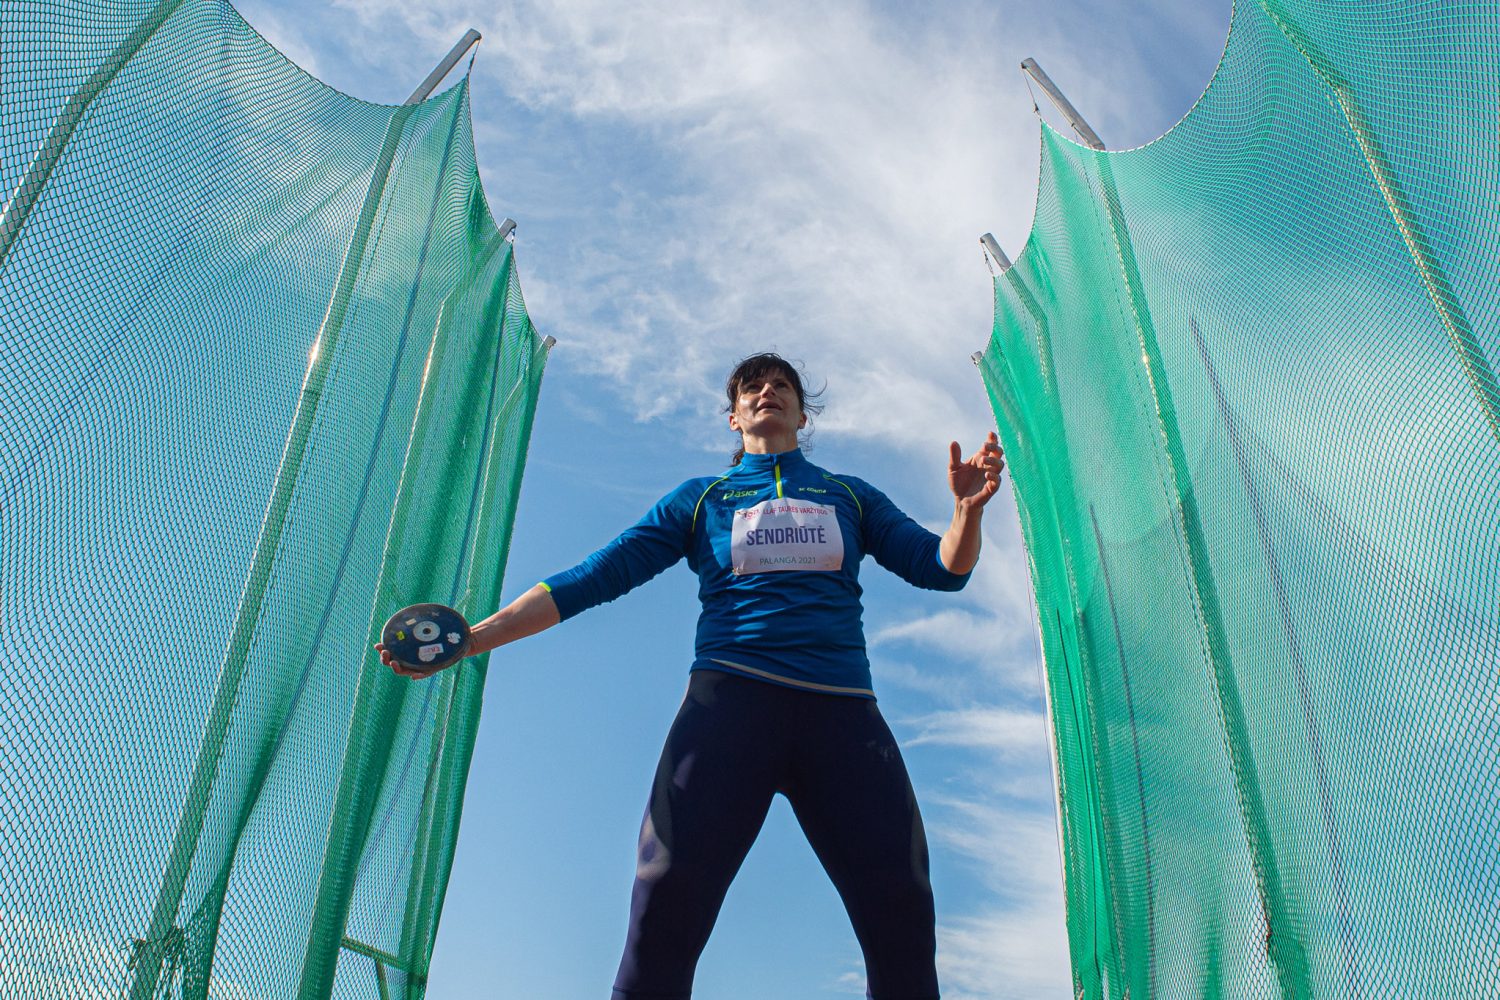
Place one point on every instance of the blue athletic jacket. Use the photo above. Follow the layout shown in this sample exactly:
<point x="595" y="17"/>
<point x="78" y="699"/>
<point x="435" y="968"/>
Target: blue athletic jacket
<point x="776" y="543"/>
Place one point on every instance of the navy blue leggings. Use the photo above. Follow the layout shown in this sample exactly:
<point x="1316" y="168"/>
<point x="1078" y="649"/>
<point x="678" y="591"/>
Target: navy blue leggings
<point x="735" y="743"/>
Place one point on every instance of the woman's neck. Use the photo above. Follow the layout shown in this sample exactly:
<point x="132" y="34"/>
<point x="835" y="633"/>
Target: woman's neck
<point x="754" y="444"/>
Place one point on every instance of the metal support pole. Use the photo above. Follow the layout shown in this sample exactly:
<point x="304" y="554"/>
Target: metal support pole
<point x="1033" y="69"/>
<point x="444" y="68"/>
<point x="507" y="227"/>
<point x="996" y="254"/>
<point x="992" y="247"/>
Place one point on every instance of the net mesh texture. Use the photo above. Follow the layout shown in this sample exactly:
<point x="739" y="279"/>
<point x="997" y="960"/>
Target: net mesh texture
<point x="1245" y="376"/>
<point x="267" y="376"/>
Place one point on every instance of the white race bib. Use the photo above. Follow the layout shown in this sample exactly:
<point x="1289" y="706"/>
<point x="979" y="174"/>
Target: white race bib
<point x="782" y="534"/>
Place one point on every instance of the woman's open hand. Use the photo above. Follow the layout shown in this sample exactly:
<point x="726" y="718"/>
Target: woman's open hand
<point x="975" y="479"/>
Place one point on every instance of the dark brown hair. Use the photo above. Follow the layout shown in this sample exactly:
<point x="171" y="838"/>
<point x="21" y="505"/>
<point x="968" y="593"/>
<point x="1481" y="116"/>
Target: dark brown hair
<point x="759" y="366"/>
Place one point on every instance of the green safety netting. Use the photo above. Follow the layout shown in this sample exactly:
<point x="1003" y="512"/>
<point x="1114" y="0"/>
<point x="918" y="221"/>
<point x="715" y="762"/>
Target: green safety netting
<point x="265" y="376"/>
<point x="1245" y="377"/>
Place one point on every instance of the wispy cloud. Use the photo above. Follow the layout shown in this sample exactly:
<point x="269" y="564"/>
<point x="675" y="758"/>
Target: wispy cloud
<point x="997" y="817"/>
<point x="1020" y="954"/>
<point x="817" y="177"/>
<point x="970" y="637"/>
<point x="1004" y="730"/>
<point x="818" y="172"/>
<point x="1016" y="946"/>
<point x="991" y="631"/>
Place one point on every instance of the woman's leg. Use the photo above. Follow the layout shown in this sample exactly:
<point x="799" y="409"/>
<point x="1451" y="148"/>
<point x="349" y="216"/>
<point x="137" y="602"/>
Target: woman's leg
<point x="854" y="800"/>
<point x="713" y="787"/>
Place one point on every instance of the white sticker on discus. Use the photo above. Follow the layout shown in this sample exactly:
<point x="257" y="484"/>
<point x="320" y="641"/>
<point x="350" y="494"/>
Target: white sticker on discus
<point x="428" y="653"/>
<point x="783" y="534"/>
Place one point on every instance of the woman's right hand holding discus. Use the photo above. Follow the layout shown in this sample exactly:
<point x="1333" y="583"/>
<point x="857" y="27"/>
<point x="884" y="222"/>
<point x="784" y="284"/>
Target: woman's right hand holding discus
<point x="403" y="669"/>
<point x="527" y="615"/>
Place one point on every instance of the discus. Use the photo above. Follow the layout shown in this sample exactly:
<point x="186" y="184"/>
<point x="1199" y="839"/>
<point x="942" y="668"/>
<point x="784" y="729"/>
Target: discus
<point x="426" y="637"/>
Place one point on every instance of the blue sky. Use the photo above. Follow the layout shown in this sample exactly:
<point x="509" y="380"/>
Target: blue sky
<point x="694" y="183"/>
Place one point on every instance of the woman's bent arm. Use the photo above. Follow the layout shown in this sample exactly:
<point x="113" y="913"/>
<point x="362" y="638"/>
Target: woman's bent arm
<point x="973" y="481"/>
<point x="959" y="549"/>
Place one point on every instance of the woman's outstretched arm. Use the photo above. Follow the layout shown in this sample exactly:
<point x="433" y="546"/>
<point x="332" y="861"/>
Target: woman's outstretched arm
<point x="528" y="614"/>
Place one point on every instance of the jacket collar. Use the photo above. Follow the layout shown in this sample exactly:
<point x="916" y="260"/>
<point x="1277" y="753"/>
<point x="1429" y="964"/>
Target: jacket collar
<point x="788" y="460"/>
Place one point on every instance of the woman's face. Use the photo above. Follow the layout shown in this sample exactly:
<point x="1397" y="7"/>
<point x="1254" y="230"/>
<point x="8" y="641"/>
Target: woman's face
<point x="767" y="407"/>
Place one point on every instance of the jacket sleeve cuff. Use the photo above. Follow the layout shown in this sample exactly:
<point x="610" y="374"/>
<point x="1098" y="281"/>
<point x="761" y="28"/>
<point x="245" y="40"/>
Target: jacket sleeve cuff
<point x="945" y="578"/>
<point x="565" y="595"/>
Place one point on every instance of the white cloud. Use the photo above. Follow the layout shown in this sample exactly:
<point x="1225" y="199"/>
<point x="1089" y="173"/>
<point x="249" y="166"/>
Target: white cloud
<point x="1017" y="948"/>
<point x="954" y="632"/>
<point x="853" y="981"/>
<point x="1018" y="954"/>
<point x="1007" y="731"/>
<point x="818" y="178"/>
<point x="822" y="187"/>
<point x="993" y="634"/>
<point x="998" y="818"/>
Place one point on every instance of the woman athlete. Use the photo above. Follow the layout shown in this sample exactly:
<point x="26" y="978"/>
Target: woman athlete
<point x="779" y="696"/>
